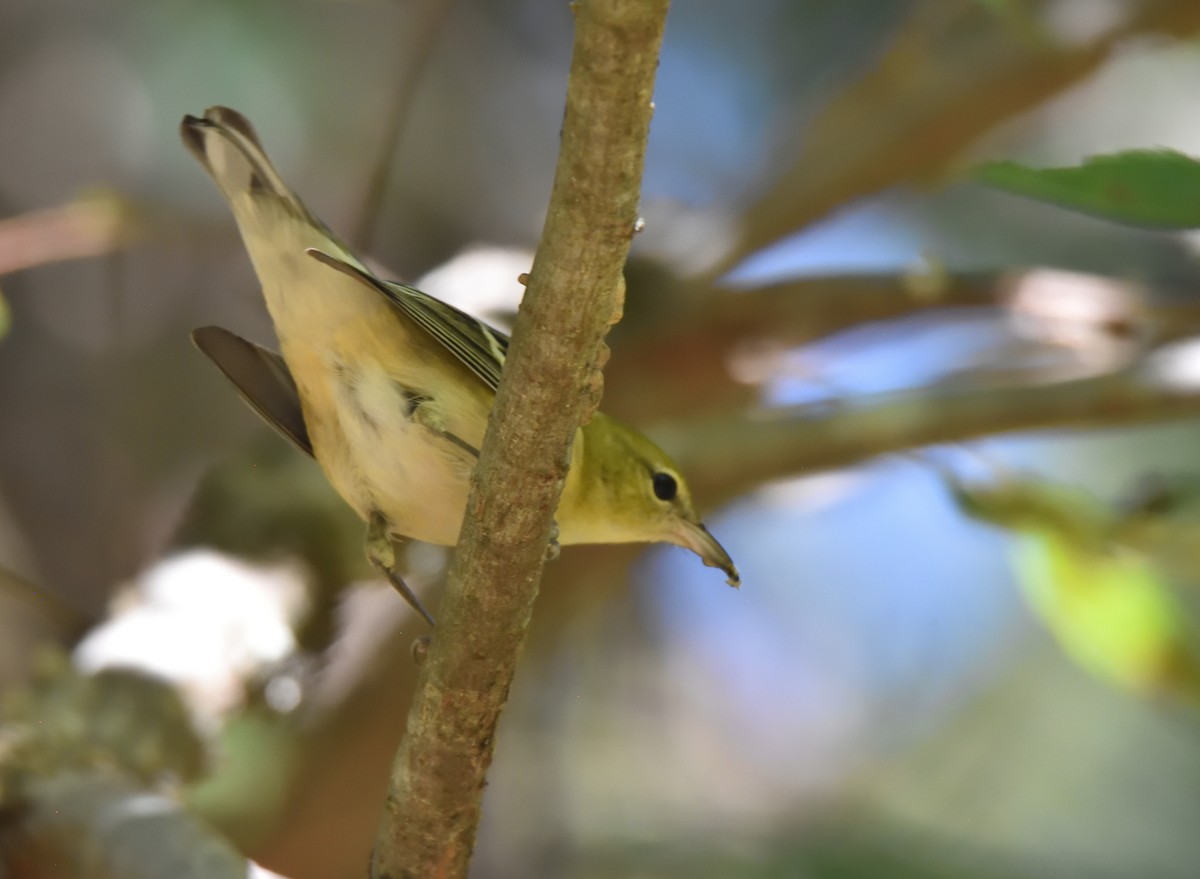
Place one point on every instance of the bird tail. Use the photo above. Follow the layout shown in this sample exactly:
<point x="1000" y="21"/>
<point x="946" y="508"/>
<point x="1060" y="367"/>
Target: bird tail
<point x="224" y="142"/>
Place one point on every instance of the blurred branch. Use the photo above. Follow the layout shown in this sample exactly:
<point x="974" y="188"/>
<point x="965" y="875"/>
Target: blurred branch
<point x="801" y="311"/>
<point x="63" y="617"/>
<point x="329" y="758"/>
<point x="1174" y="322"/>
<point x="95" y="224"/>
<point x="698" y="332"/>
<point x="953" y="74"/>
<point x="732" y="454"/>
<point x="709" y="348"/>
<point x="727" y="455"/>
<point x="343" y="755"/>
<point x="430" y="18"/>
<point x="574" y="295"/>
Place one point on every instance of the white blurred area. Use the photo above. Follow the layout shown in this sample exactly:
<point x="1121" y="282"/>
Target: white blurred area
<point x="1101" y="321"/>
<point x="1177" y="366"/>
<point x="482" y="281"/>
<point x="202" y="620"/>
<point x="1076" y="22"/>
<point x="256" y="871"/>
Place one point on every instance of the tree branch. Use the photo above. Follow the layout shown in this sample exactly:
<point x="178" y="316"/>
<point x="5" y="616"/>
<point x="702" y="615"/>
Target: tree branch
<point x="692" y="342"/>
<point x="675" y="363"/>
<point x="92" y="225"/>
<point x="732" y="454"/>
<point x="574" y="295"/>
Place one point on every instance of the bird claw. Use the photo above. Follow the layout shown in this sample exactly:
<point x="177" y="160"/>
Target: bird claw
<point x="381" y="553"/>
<point x="553" y="549"/>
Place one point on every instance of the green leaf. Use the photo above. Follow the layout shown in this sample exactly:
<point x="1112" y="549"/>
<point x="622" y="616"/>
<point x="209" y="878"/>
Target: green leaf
<point x="1155" y="188"/>
<point x="1108" y="605"/>
<point x="1111" y="612"/>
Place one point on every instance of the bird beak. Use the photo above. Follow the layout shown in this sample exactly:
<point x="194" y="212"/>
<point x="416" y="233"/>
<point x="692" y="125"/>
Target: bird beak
<point x="694" y="536"/>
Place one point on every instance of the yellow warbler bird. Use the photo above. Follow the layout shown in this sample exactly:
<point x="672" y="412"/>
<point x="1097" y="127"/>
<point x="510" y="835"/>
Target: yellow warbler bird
<point x="389" y="389"/>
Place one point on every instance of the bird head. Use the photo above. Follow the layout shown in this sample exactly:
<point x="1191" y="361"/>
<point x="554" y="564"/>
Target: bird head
<point x="623" y="488"/>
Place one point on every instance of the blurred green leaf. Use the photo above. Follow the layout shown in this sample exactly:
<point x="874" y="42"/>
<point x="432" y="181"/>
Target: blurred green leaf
<point x="1156" y="188"/>
<point x="1107" y="603"/>
<point x="1111" y="612"/>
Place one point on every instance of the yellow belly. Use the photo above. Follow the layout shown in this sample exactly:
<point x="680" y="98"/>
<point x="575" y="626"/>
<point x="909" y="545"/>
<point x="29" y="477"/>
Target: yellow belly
<point x="355" y="377"/>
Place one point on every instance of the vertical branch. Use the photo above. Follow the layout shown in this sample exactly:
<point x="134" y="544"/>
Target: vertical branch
<point x="574" y="294"/>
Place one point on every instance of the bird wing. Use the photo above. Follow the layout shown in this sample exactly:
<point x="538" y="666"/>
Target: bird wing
<point x="481" y="348"/>
<point x="261" y="378"/>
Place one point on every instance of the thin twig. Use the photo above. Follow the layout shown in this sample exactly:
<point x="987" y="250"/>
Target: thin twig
<point x="574" y="294"/>
<point x="430" y="18"/>
<point x="92" y="225"/>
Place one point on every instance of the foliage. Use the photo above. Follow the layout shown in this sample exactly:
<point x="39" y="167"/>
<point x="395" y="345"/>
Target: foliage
<point x="1154" y="188"/>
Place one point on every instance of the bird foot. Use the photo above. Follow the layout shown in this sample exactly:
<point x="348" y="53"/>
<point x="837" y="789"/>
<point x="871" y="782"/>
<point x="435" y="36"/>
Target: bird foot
<point x="381" y="553"/>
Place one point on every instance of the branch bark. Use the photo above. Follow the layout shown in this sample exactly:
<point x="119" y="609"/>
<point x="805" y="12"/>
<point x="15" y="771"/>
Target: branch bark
<point x="574" y="295"/>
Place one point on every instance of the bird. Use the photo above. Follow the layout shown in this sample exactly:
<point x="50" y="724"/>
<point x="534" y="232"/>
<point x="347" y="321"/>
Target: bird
<point x="389" y="389"/>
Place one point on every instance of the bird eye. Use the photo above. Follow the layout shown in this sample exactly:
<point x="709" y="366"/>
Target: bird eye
<point x="665" y="486"/>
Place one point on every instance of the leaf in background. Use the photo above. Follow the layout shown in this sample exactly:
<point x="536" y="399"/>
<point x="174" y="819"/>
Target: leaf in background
<point x="1156" y="188"/>
<point x="953" y="72"/>
<point x="1111" y="612"/>
<point x="1108" y="604"/>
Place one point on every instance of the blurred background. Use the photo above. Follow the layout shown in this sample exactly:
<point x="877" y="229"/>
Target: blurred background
<point x="949" y="436"/>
